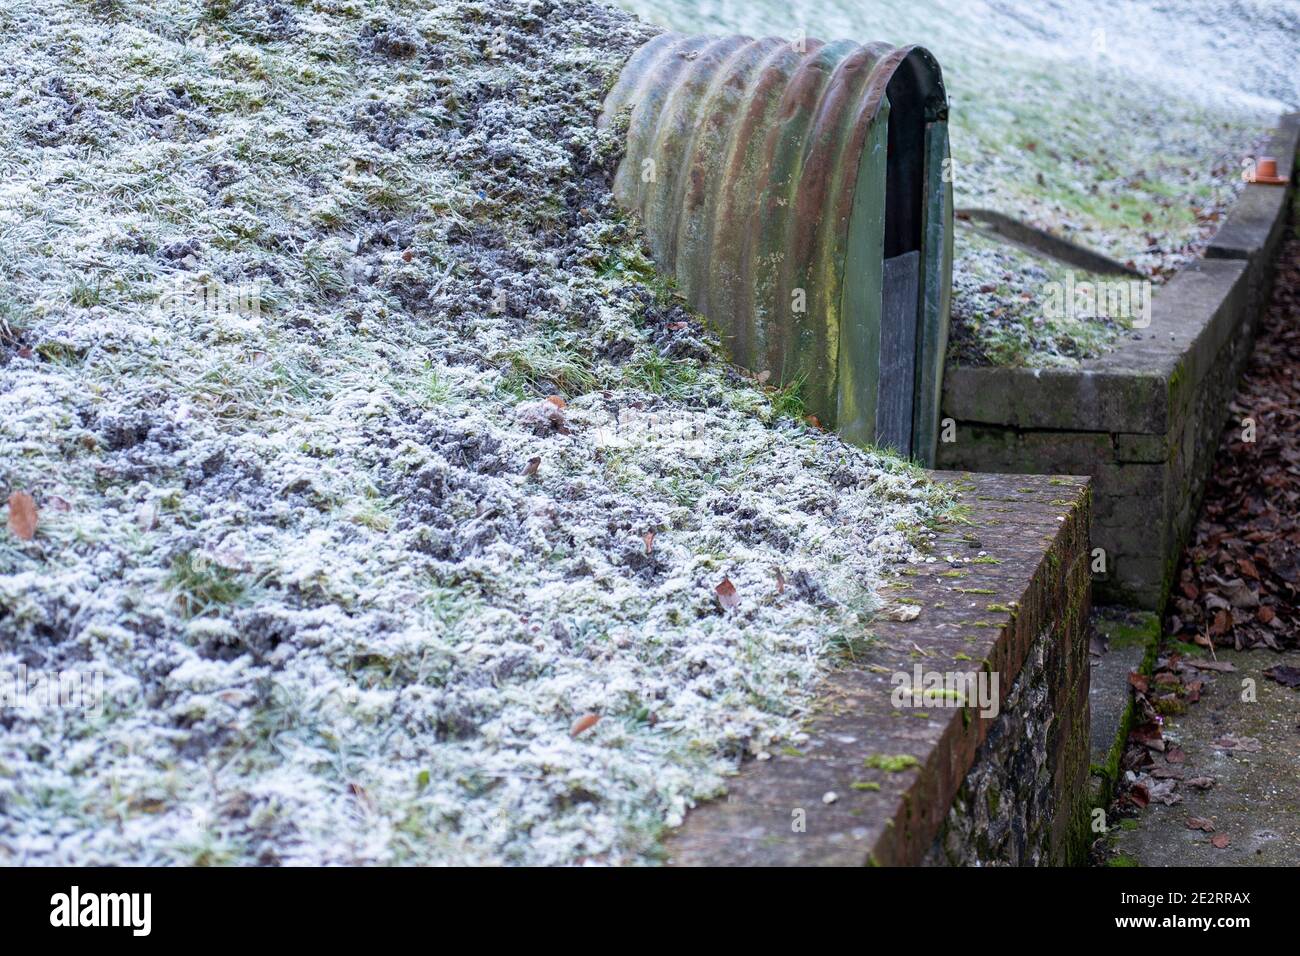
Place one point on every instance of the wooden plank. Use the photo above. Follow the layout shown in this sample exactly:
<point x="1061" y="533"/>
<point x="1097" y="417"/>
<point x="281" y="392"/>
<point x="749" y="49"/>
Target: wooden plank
<point x="898" y="352"/>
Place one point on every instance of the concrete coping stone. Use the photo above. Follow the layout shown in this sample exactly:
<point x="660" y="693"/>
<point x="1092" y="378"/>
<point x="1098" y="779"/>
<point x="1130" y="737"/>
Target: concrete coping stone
<point x="1252" y="227"/>
<point x="895" y="771"/>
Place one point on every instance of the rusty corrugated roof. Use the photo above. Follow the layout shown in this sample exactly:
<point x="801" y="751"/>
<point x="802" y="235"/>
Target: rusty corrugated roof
<point x="743" y="159"/>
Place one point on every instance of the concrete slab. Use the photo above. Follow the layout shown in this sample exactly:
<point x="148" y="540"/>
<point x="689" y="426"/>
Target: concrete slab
<point x="1255" y="800"/>
<point x="1123" y="642"/>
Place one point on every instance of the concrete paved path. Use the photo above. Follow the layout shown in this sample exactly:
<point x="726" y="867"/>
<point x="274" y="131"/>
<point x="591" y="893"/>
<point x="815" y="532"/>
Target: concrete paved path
<point x="1255" y="800"/>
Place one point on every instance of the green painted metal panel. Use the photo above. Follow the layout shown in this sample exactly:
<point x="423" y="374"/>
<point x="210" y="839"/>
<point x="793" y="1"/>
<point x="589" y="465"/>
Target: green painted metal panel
<point x="936" y="292"/>
<point x="858" y="375"/>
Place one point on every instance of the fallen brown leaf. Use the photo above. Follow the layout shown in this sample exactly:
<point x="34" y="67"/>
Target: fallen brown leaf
<point x="1163" y="791"/>
<point x="1144" y="733"/>
<point x="1238" y="592"/>
<point x="362" y="795"/>
<point x="1200" y="823"/>
<point x="583" y="723"/>
<point x="1285" y="675"/>
<point x="1249" y="745"/>
<point x="22" y="515"/>
<point x="1220" y="840"/>
<point x="727" y="595"/>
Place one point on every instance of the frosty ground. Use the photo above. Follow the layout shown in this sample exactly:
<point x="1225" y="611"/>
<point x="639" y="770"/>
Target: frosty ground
<point x="372" y="461"/>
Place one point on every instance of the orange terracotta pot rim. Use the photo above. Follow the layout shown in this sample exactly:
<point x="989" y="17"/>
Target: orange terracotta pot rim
<point x="1266" y="172"/>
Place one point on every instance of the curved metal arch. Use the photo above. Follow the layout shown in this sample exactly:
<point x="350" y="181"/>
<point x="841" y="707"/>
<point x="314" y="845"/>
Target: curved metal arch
<point x="761" y="172"/>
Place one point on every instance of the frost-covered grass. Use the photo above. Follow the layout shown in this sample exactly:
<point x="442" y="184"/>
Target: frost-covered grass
<point x="998" y="314"/>
<point x="353" y="563"/>
<point x="1119" y="125"/>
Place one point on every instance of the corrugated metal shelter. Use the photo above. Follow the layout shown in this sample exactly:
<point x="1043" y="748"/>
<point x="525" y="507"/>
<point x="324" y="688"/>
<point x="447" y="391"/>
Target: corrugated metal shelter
<point x="798" y="193"/>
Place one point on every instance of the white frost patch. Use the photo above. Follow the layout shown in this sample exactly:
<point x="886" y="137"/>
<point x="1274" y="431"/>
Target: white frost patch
<point x="350" y="578"/>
